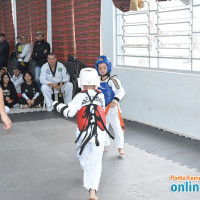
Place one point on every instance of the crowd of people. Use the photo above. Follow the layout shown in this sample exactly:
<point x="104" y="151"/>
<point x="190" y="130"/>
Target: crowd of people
<point x="96" y="106"/>
<point x="24" y="89"/>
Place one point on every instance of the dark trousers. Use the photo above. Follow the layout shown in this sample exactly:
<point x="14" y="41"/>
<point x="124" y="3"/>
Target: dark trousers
<point x="10" y="105"/>
<point x="23" y="67"/>
<point x="37" y="101"/>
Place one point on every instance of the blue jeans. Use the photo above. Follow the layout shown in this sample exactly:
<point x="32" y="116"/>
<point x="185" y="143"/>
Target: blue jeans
<point x="37" y="75"/>
<point x="22" y="66"/>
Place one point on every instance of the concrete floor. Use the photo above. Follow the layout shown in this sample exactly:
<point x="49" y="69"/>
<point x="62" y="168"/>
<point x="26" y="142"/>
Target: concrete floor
<point x="38" y="162"/>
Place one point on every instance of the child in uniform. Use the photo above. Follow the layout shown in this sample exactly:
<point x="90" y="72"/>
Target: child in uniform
<point x="89" y="105"/>
<point x="113" y="93"/>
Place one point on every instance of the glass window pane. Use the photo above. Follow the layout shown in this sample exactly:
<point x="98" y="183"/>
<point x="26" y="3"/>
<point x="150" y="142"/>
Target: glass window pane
<point x="161" y="35"/>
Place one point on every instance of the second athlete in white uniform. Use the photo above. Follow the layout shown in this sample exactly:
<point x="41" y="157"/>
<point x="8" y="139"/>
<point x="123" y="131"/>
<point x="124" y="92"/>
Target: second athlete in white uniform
<point x="113" y="93"/>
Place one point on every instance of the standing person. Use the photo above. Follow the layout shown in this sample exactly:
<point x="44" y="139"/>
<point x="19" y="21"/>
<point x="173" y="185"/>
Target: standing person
<point x="4" y="117"/>
<point x="18" y="46"/>
<point x="113" y="93"/>
<point x="89" y="105"/>
<point x="24" y="57"/>
<point x="54" y="77"/>
<point x="31" y="96"/>
<point x="9" y="91"/>
<point x="41" y="49"/>
<point x="17" y="80"/>
<point x="4" y="51"/>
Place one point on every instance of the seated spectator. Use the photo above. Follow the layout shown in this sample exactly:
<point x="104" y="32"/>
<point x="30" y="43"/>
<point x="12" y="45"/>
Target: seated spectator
<point x="9" y="91"/>
<point x="2" y="71"/>
<point x="18" y="46"/>
<point x="17" y="80"/>
<point x="4" y="117"/>
<point x="31" y="96"/>
<point x="24" y="57"/>
<point x="54" y="76"/>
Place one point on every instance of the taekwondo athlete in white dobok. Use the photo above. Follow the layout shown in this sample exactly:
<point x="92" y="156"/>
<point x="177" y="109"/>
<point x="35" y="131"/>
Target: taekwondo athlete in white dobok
<point x="113" y="92"/>
<point x="89" y="105"/>
<point x="54" y="76"/>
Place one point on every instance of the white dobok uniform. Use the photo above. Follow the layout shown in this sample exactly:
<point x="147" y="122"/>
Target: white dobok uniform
<point x="91" y="157"/>
<point x="61" y="75"/>
<point x="112" y="117"/>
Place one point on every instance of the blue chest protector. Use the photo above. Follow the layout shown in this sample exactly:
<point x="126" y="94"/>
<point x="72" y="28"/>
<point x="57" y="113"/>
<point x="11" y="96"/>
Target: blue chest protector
<point x="107" y="91"/>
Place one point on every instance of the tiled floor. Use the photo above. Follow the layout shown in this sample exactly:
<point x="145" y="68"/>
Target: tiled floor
<point x="38" y="162"/>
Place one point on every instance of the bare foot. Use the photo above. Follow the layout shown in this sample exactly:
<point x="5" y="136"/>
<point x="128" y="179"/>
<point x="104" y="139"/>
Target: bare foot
<point x="93" y="194"/>
<point x="121" y="151"/>
<point x="106" y="147"/>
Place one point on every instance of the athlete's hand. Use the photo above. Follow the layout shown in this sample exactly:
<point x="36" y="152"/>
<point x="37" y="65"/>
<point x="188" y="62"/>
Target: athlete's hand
<point x="112" y="104"/>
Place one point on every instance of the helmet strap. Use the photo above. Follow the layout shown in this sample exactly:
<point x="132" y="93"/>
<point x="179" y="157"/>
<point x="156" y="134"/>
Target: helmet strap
<point x="107" y="74"/>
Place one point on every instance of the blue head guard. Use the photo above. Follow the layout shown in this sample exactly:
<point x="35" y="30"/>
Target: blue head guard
<point x="103" y="59"/>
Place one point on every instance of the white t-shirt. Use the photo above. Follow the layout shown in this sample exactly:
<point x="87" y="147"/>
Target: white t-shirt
<point x="26" y="53"/>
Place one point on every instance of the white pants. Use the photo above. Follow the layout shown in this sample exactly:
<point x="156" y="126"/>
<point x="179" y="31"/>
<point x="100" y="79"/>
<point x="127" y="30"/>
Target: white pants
<point x="112" y="119"/>
<point x="91" y="163"/>
<point x="66" y="89"/>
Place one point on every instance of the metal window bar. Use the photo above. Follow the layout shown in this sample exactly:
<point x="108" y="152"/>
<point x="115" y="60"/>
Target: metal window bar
<point x="167" y="57"/>
<point x="158" y="42"/>
<point x="157" y="35"/>
<point x="191" y="33"/>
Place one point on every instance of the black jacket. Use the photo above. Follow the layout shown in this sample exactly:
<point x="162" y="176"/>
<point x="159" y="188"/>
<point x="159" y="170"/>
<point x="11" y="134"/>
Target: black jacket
<point x="4" y="53"/>
<point x="39" y="48"/>
<point x="12" y="92"/>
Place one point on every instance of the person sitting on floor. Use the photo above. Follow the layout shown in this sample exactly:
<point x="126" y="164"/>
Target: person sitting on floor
<point x="17" y="80"/>
<point x="3" y="70"/>
<point x="4" y="117"/>
<point x="31" y="96"/>
<point x="9" y="91"/>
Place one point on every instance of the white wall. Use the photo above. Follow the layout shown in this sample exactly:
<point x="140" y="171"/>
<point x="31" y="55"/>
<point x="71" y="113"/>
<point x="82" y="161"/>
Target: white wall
<point x="170" y="101"/>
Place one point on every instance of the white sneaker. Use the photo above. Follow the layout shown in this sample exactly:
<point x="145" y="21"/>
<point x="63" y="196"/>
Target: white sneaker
<point x="49" y="108"/>
<point x="25" y="106"/>
<point x="7" y="109"/>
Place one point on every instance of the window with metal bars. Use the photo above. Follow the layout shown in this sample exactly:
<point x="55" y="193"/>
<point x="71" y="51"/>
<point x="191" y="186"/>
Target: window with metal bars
<point x="162" y="35"/>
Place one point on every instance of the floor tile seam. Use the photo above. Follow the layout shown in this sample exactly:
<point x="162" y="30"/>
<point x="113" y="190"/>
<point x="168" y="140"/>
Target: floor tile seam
<point x="127" y="187"/>
<point x="13" y="121"/>
<point x="161" y="157"/>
